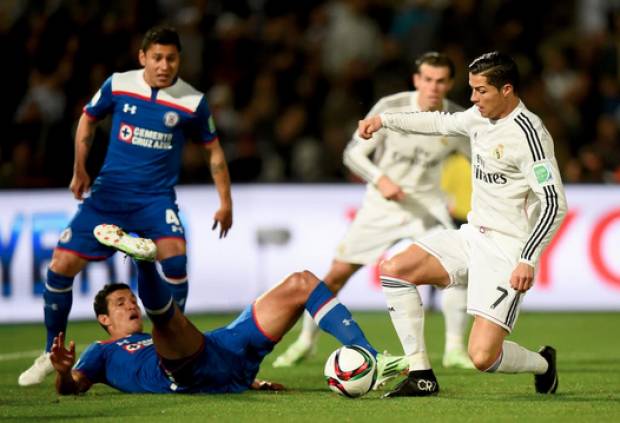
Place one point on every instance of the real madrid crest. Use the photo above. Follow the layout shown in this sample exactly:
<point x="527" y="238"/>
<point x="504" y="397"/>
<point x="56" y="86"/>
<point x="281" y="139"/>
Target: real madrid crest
<point x="498" y="151"/>
<point x="171" y="119"/>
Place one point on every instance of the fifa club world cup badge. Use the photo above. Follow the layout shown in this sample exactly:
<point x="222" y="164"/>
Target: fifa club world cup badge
<point x="171" y="119"/>
<point x="544" y="173"/>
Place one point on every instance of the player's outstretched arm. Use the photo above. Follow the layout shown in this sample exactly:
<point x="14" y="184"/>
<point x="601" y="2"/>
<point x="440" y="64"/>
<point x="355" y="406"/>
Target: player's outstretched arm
<point x="83" y="141"/>
<point x="68" y="381"/>
<point x="367" y="127"/>
<point x="221" y="178"/>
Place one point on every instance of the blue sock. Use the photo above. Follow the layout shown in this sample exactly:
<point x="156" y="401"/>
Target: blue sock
<point x="175" y="272"/>
<point x="335" y="319"/>
<point x="154" y="293"/>
<point x="57" y="300"/>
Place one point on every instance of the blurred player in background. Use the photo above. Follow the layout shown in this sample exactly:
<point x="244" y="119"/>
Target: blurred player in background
<point x="153" y="112"/>
<point x="178" y="358"/>
<point x="518" y="204"/>
<point x="403" y="201"/>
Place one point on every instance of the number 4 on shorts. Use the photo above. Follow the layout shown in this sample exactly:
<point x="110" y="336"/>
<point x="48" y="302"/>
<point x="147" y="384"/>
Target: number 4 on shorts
<point x="504" y="294"/>
<point x="171" y="217"/>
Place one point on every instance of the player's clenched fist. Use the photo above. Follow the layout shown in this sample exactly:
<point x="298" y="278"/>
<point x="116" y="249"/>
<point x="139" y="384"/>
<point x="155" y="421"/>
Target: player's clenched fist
<point x="522" y="277"/>
<point x="367" y="127"/>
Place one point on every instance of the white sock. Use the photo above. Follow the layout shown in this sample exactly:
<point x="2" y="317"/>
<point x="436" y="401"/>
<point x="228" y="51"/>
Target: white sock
<point x="516" y="359"/>
<point x="309" y="330"/>
<point x="407" y="314"/>
<point x="454" y="307"/>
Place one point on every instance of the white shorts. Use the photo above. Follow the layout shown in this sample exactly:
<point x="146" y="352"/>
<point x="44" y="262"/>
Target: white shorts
<point x="485" y="260"/>
<point x="372" y="233"/>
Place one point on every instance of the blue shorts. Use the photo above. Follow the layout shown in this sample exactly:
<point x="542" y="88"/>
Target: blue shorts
<point x="232" y="356"/>
<point x="155" y="217"/>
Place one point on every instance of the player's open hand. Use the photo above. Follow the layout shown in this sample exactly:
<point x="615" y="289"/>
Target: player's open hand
<point x="62" y="358"/>
<point x="265" y="385"/>
<point x="389" y="190"/>
<point x="224" y="217"/>
<point x="367" y="127"/>
<point x="522" y="277"/>
<point x="80" y="183"/>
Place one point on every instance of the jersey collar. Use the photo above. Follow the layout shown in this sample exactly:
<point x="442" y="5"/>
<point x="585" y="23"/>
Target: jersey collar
<point x="145" y="84"/>
<point x="518" y="109"/>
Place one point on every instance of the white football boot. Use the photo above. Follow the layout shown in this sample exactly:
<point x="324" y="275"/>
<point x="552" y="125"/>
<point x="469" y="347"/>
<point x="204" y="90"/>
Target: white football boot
<point x="114" y="237"/>
<point x="41" y="367"/>
<point x="297" y="352"/>
<point x="457" y="358"/>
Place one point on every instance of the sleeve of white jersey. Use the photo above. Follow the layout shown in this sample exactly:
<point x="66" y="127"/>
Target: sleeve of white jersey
<point x="540" y="169"/>
<point x="356" y="155"/>
<point x="427" y="123"/>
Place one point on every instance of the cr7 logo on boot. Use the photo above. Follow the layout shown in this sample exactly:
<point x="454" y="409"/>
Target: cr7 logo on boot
<point x="426" y="385"/>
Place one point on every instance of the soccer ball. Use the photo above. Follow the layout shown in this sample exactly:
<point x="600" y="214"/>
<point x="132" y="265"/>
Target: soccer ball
<point x="351" y="371"/>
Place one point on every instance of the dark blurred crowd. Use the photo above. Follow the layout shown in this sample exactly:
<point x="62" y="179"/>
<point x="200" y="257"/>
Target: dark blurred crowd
<point x="287" y="80"/>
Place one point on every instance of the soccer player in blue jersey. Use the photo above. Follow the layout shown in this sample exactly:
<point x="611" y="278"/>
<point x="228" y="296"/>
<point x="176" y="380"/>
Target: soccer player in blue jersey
<point x="179" y="358"/>
<point x="153" y="113"/>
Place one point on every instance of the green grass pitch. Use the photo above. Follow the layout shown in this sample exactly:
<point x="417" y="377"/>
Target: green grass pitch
<point x="588" y="359"/>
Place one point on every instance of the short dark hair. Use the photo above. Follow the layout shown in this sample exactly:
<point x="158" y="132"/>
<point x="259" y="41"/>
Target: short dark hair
<point x="499" y="69"/>
<point x="435" y="59"/>
<point x="100" y="304"/>
<point x="163" y="34"/>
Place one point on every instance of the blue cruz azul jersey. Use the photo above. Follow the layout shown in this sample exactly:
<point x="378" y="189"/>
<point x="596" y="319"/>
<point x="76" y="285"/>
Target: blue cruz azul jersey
<point x="128" y="364"/>
<point x="149" y="128"/>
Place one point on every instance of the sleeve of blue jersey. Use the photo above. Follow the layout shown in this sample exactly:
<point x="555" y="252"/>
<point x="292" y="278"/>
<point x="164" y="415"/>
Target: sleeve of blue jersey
<point x="206" y="123"/>
<point x="102" y="102"/>
<point x="92" y="363"/>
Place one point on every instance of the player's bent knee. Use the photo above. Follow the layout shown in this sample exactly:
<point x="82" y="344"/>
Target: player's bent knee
<point x="483" y="359"/>
<point x="66" y="264"/>
<point x="300" y="284"/>
<point x="389" y="267"/>
<point x="397" y="268"/>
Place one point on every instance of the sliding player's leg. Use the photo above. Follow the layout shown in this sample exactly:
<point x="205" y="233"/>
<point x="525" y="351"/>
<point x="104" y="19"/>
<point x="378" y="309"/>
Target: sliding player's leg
<point x="305" y="344"/>
<point x="277" y="310"/>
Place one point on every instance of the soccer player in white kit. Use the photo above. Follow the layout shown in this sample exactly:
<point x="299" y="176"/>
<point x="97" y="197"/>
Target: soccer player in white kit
<point x="518" y="204"/>
<point x="403" y="201"/>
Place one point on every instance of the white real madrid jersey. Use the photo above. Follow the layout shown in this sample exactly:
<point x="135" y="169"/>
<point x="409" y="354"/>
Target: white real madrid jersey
<point x="517" y="188"/>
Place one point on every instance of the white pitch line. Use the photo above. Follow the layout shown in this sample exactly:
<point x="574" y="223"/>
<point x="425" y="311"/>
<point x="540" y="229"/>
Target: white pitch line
<point x="18" y="355"/>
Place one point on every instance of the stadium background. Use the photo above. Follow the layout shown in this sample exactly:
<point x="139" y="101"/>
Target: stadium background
<point x="287" y="82"/>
